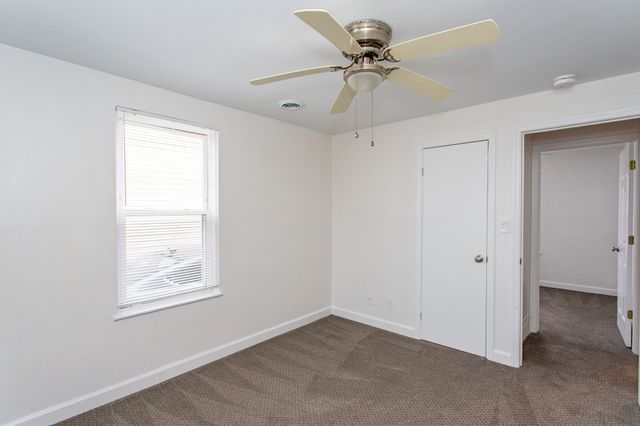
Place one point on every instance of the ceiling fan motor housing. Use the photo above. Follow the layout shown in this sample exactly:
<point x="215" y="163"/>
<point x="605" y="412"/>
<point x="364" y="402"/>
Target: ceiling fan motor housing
<point x="373" y="36"/>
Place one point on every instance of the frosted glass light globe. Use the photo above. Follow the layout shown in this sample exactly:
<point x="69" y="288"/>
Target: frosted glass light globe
<point x="364" y="81"/>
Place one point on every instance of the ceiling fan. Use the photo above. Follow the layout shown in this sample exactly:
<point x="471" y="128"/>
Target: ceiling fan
<point x="366" y="43"/>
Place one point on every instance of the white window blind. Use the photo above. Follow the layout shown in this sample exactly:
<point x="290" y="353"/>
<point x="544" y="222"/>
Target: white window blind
<point x="166" y="208"/>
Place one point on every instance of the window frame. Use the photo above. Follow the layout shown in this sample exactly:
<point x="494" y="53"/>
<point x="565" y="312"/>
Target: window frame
<point x="210" y="213"/>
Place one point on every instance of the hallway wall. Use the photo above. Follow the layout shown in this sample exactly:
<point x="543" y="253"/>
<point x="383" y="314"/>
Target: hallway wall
<point x="578" y="219"/>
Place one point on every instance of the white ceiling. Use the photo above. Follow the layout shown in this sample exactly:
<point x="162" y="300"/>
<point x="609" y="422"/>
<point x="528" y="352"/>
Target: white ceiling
<point x="211" y="49"/>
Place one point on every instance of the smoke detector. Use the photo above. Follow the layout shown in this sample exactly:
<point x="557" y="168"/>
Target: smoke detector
<point x="291" y="105"/>
<point x="564" y="81"/>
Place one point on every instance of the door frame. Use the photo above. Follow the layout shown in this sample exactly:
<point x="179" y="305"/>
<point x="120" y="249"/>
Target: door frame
<point x="491" y="173"/>
<point x="602" y="117"/>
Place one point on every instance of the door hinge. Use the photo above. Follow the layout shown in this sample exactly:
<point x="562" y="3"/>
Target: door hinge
<point x="629" y="314"/>
<point x="632" y="165"/>
<point x="631" y="240"/>
<point x="420" y="316"/>
<point x="521" y="261"/>
<point x="423" y="171"/>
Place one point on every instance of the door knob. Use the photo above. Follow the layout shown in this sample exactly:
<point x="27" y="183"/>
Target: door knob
<point x="615" y="249"/>
<point x="479" y="258"/>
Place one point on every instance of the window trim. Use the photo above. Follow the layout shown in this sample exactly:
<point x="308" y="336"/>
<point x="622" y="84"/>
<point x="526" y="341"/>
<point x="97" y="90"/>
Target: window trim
<point x="210" y="213"/>
<point x="168" y="302"/>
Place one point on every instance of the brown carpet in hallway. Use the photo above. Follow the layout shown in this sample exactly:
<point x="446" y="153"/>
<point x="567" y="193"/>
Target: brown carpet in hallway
<point x="335" y="371"/>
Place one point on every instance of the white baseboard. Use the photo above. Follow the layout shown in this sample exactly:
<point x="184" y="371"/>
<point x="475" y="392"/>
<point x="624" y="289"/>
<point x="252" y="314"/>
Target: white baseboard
<point x="111" y="393"/>
<point x="393" y="327"/>
<point x="579" y="287"/>
<point x="405" y="330"/>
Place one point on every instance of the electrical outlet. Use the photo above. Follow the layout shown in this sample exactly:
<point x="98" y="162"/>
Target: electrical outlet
<point x="390" y="303"/>
<point x="369" y="298"/>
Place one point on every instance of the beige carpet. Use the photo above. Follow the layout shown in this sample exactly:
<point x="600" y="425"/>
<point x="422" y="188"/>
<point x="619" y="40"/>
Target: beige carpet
<point x="335" y="371"/>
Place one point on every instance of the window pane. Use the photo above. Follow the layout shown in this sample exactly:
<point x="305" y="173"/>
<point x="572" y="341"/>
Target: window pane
<point x="163" y="256"/>
<point x="164" y="168"/>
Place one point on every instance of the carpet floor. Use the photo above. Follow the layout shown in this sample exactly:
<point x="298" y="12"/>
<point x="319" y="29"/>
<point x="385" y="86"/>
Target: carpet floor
<point x="335" y="371"/>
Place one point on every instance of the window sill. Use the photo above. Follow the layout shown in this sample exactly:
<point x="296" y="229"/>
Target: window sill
<point x="170" y="302"/>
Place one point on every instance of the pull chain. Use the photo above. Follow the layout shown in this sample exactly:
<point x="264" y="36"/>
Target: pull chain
<point x="355" y="134"/>
<point x="372" y="143"/>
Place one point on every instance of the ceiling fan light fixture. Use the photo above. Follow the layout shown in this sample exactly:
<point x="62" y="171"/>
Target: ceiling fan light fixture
<point x="364" y="81"/>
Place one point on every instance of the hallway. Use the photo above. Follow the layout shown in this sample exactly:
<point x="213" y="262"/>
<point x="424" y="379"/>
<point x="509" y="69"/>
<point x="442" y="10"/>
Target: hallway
<point x="581" y="353"/>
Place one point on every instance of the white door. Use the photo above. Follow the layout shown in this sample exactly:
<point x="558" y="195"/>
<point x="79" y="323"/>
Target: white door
<point x="625" y="300"/>
<point x="454" y="245"/>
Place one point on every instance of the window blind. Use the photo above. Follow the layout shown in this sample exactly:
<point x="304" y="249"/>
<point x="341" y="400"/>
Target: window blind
<point x="166" y="208"/>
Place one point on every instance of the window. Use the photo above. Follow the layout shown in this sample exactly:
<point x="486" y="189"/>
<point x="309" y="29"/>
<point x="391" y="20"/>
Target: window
<point x="167" y="212"/>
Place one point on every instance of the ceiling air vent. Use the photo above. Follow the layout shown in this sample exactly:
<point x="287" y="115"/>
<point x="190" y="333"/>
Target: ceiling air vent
<point x="291" y="105"/>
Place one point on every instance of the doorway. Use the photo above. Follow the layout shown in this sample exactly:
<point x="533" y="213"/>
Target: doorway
<point x="455" y="245"/>
<point x="579" y="220"/>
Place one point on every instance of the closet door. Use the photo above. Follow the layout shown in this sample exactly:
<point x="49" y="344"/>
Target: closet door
<point x="454" y="246"/>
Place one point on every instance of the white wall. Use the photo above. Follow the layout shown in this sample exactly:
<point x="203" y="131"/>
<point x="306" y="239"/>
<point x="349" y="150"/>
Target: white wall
<point x="375" y="193"/>
<point x="58" y="340"/>
<point x="579" y="218"/>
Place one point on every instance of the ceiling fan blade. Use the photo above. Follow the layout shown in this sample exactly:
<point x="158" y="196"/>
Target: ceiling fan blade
<point x="329" y="28"/>
<point x="419" y="83"/>
<point x="342" y="102"/>
<point x="482" y="32"/>
<point x="294" y="74"/>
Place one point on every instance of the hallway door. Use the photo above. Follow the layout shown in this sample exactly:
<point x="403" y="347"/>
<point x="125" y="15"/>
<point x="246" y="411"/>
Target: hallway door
<point x="625" y="294"/>
<point x="454" y="246"/>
